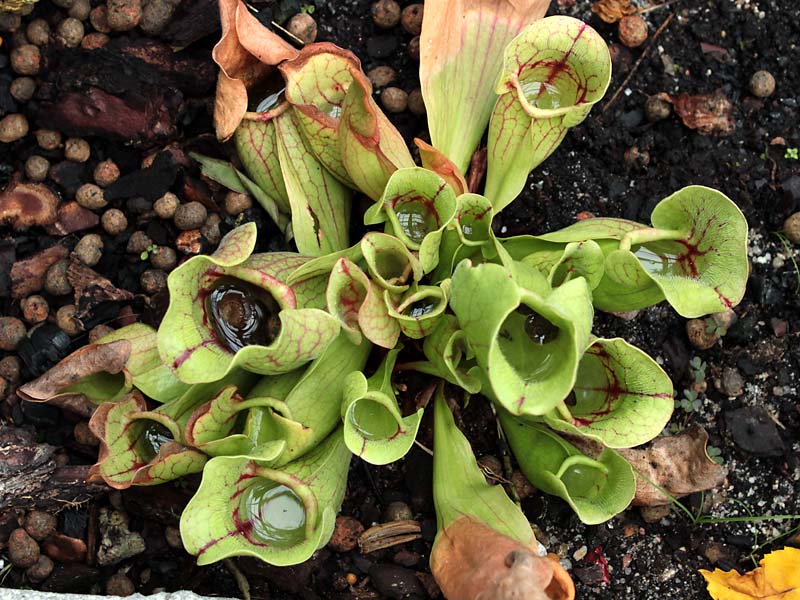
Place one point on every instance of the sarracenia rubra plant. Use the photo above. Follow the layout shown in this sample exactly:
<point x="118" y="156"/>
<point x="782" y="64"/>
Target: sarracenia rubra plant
<point x="260" y="375"/>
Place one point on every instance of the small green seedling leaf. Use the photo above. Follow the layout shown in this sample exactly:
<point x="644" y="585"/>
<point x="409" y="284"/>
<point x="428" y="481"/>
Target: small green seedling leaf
<point x="190" y="339"/>
<point x="596" y="489"/>
<point x="374" y="428"/>
<point x="281" y="516"/>
<point x="553" y="72"/>
<point x="527" y="344"/>
<point x="622" y="398"/>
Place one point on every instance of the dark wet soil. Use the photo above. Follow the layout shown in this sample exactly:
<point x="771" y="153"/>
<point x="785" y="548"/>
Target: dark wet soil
<point x="715" y="45"/>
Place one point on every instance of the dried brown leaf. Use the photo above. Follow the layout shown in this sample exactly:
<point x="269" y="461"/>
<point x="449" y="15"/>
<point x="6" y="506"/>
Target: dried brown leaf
<point x="91" y="289"/>
<point x="471" y="560"/>
<point x="679" y="464"/>
<point x="246" y="54"/>
<point x="707" y="113"/>
<point x="612" y="11"/>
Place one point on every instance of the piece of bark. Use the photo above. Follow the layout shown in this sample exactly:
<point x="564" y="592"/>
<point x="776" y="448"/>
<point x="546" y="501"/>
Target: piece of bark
<point x="27" y="276"/>
<point x="31" y="478"/>
<point x="193" y="21"/>
<point x="92" y="289"/>
<point x="72" y="217"/>
<point x="24" y="205"/>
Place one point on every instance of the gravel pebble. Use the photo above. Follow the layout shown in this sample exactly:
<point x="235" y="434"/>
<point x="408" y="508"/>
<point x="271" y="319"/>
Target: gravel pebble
<point x="36" y="168"/>
<point x="386" y="13"/>
<point x="416" y="104"/>
<point x="381" y="76"/>
<point x="98" y="17"/>
<point x="70" y="32"/>
<point x="55" y="280"/>
<point x="191" y="215"/>
<point x="411" y="18"/>
<point x="23" y="551"/>
<point x="164" y="259"/>
<point x="153" y="281"/>
<point x="413" y="48"/>
<point x="95" y="40"/>
<point x="41" y="570"/>
<point x="394" y="99"/>
<point x="345" y="534"/>
<point x="762" y="84"/>
<point x="12" y="331"/>
<point x="114" y="221"/>
<point x="105" y="173"/>
<point x="632" y="31"/>
<point x="77" y="150"/>
<point x="11" y="368"/>
<point x="138" y="242"/>
<point x="791" y="228"/>
<point x="120" y="585"/>
<point x="89" y="250"/>
<point x="48" y="139"/>
<point x="303" y="27"/>
<point x="38" y="32"/>
<point x="80" y="10"/>
<point x="40" y="524"/>
<point x="398" y="511"/>
<point x="26" y="59"/>
<point x="166" y="205"/>
<point x="34" y="309"/>
<point x="90" y="196"/>
<point x="156" y="14"/>
<point x="236" y="203"/>
<point x="13" y="127"/>
<point x="22" y="88"/>
<point x="66" y="321"/>
<point x="124" y="15"/>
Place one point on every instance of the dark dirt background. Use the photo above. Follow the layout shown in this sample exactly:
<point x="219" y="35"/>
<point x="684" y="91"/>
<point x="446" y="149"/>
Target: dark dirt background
<point x="587" y="173"/>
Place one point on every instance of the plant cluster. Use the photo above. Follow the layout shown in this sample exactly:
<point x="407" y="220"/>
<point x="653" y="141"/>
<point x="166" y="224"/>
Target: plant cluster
<point x="257" y="376"/>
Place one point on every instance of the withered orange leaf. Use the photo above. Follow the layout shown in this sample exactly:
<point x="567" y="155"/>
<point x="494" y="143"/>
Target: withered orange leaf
<point x="612" y="11"/>
<point x="778" y="578"/>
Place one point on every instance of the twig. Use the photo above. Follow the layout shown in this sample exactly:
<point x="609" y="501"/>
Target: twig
<point x="424" y="448"/>
<point x="241" y="580"/>
<point x="638" y="62"/>
<point x="642" y="11"/>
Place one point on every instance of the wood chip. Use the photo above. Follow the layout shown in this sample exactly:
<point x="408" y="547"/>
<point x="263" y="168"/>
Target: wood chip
<point x="389" y="534"/>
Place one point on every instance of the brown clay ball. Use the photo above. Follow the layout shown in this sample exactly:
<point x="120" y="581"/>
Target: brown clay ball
<point x="120" y="585"/>
<point x="416" y="104"/>
<point x="386" y="13"/>
<point x="40" y="524"/>
<point x="38" y="32"/>
<point x="381" y="76"/>
<point x="165" y="259"/>
<point x="124" y="15"/>
<point x="114" y="221"/>
<point x="236" y="203"/>
<point x="411" y="18"/>
<point x="105" y="173"/>
<point x="70" y="32"/>
<point x="89" y="250"/>
<point x="138" y="242"/>
<point x="26" y="59"/>
<point x="65" y="319"/>
<point x="77" y="150"/>
<point x="303" y="27"/>
<point x="11" y="368"/>
<point x="90" y="196"/>
<point x="698" y="335"/>
<point x="394" y="99"/>
<point x="191" y="215"/>
<point x="762" y="84"/>
<point x="791" y="228"/>
<point x="13" y="127"/>
<point x="41" y="570"/>
<point x="632" y="31"/>
<point x="153" y="281"/>
<point x="413" y="48"/>
<point x="95" y="40"/>
<point x="657" y="109"/>
<point x="48" y="139"/>
<point x="55" y="280"/>
<point x="166" y="206"/>
<point x="34" y="309"/>
<point x="36" y="168"/>
<point x="22" y="88"/>
<point x="12" y="331"/>
<point x="80" y="10"/>
<point x="98" y="17"/>
<point x="23" y="551"/>
<point x="99" y="332"/>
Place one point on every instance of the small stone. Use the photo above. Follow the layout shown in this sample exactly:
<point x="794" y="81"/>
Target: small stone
<point x="189" y="242"/>
<point x="10" y="22"/>
<point x="164" y="259"/>
<point x="398" y="511"/>
<point x="124" y="15"/>
<point x="634" y="157"/>
<point x="236" y="203"/>
<point x="153" y="281"/>
<point x="40" y="524"/>
<point x="83" y="435"/>
<point x="65" y="319"/>
<point x="210" y="229"/>
<point x="13" y="127"/>
<point x="173" y="537"/>
<point x="34" y="309"/>
<point x="36" y="168"/>
<point x="413" y="48"/>
<point x="345" y="534"/>
<point x="138" y="242"/>
<point x="95" y="40"/>
<point x="166" y="205"/>
<point x="10" y="368"/>
<point x="89" y="250"/>
<point x="105" y="173"/>
<point x="416" y="104"/>
<point x="38" y="32"/>
<point x="41" y="570"/>
<point x="386" y="13"/>
<point x="657" y="109"/>
<point x="77" y="150"/>
<point x="406" y="558"/>
<point x="394" y="581"/>
<point x="725" y="319"/>
<point x="99" y="332"/>
<point x="754" y="431"/>
<point x="90" y="196"/>
<point x="191" y="215"/>
<point x="55" y="280"/>
<point x="70" y="32"/>
<point x="22" y="88"/>
<point x="80" y="10"/>
<point x="394" y="99"/>
<point x="48" y="139"/>
<point x="762" y="84"/>
<point x="632" y="31"/>
<point x="26" y="59"/>
<point x="12" y="332"/>
<point x="411" y="18"/>
<point x="156" y="14"/>
<point x="699" y="337"/>
<point x="653" y="514"/>
<point x="120" y="585"/>
<point x="114" y="221"/>
<point x="580" y="553"/>
<point x="521" y="485"/>
<point x="23" y="551"/>
<point x="303" y="27"/>
<point x="791" y="228"/>
<point x="98" y="17"/>
<point x="381" y="76"/>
